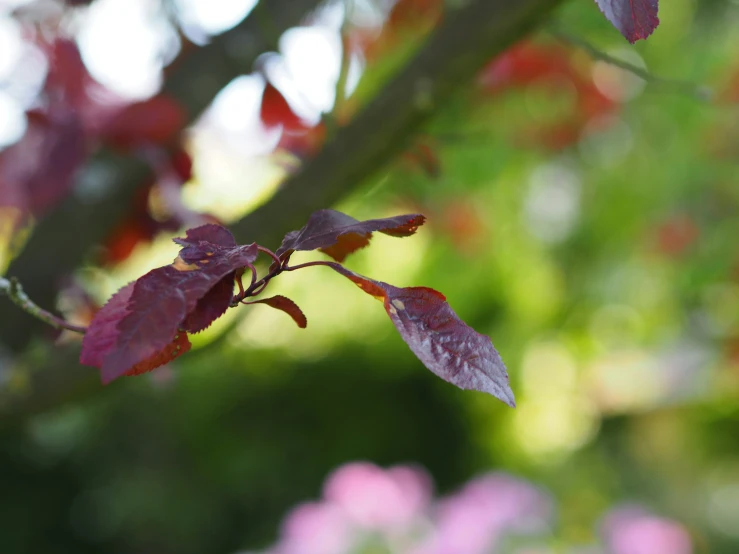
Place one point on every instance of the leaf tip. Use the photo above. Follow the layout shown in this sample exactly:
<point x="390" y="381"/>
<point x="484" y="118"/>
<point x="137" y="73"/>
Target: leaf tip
<point x="508" y="397"/>
<point x="634" y="19"/>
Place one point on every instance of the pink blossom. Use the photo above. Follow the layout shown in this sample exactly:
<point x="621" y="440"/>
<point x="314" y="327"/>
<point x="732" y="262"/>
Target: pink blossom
<point x="379" y="499"/>
<point x="472" y="520"/>
<point x="315" y="528"/>
<point x="364" y="504"/>
<point x="631" y="530"/>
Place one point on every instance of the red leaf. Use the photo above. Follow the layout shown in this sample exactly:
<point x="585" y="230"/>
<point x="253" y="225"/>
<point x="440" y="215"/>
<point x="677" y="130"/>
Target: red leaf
<point x="550" y="68"/>
<point x="39" y="170"/>
<point x="68" y="77"/>
<point x="526" y="63"/>
<point x="407" y="19"/>
<point x="304" y="143"/>
<point x="465" y="225"/>
<point x="286" y="305"/>
<point x="208" y="234"/>
<point x="276" y="111"/>
<point x="406" y="13"/>
<point x="182" y="164"/>
<point x="125" y="237"/>
<point x="338" y="235"/>
<point x="443" y="342"/>
<point x="676" y="235"/>
<point x="158" y="120"/>
<point x="180" y="345"/>
<point x="104" y="334"/>
<point x="140" y="225"/>
<point x="140" y="321"/>
<point x="635" y="19"/>
<point x="103" y="330"/>
<point x="425" y="157"/>
<point x="211" y="306"/>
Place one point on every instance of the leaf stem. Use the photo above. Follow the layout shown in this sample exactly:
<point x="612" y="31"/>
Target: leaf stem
<point x="309" y="264"/>
<point x="13" y="289"/>
<point x="256" y="287"/>
<point x="698" y="92"/>
<point x="253" y="275"/>
<point x="270" y="254"/>
<point x="262" y="284"/>
<point x="240" y="285"/>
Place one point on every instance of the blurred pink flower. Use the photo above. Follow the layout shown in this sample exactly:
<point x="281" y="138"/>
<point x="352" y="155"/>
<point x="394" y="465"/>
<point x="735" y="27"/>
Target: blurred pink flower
<point x="632" y="530"/>
<point x="365" y="506"/>
<point x="472" y="520"/>
<point x="379" y="499"/>
<point x="315" y="528"/>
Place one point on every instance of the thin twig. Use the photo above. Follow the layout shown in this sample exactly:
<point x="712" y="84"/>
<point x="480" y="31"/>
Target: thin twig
<point x="12" y="288"/>
<point x="696" y="91"/>
<point x="309" y="264"/>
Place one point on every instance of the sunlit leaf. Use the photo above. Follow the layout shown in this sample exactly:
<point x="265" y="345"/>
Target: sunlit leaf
<point x="275" y="111"/>
<point x="158" y="120"/>
<point x="141" y="320"/>
<point x="286" y="305"/>
<point x="444" y="343"/>
<point x="338" y="235"/>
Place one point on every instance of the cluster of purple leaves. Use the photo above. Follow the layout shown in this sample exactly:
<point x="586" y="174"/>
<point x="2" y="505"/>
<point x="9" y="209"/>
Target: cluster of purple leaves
<point x="146" y="323"/>
<point x="365" y="509"/>
<point x="635" y="19"/>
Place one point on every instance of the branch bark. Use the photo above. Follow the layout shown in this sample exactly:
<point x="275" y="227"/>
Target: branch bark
<point x="61" y="241"/>
<point x="468" y="38"/>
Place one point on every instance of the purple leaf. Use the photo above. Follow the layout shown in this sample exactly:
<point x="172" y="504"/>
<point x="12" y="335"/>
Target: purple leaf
<point x="443" y="342"/>
<point x="283" y="303"/>
<point x="103" y="331"/>
<point x="210" y="233"/>
<point x="39" y="171"/>
<point x="211" y="306"/>
<point x="338" y="235"/>
<point x="179" y="345"/>
<point x="145" y="318"/>
<point x="102" y="337"/>
<point x="635" y="19"/>
<point x="58" y="139"/>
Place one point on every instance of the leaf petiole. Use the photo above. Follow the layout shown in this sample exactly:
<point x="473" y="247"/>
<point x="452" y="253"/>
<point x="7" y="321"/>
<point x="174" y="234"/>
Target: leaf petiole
<point x="270" y="254"/>
<point x="309" y="264"/>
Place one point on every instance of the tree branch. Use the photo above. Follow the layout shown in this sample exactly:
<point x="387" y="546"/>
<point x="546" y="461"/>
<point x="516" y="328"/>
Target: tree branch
<point x="14" y="291"/>
<point x="468" y="38"/>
